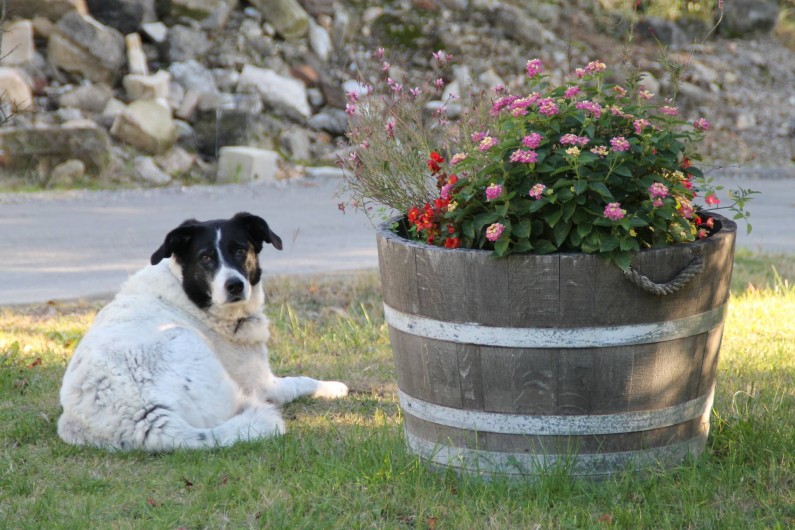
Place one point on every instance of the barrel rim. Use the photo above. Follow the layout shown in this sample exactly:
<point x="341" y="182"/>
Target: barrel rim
<point x="384" y="231"/>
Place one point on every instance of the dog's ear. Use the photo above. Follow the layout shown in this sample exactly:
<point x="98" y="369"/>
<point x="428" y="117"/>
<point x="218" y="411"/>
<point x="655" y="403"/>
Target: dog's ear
<point x="176" y="241"/>
<point x="258" y="230"/>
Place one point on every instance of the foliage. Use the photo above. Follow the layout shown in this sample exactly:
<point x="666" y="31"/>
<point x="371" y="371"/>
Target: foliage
<point x="579" y="166"/>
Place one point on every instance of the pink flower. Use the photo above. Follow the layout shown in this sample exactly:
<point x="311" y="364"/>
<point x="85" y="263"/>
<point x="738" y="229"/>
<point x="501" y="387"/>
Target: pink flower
<point x="501" y="104"/>
<point x="620" y="91"/>
<point x="701" y="125"/>
<point x="536" y="191"/>
<point x="600" y="150"/>
<point x="640" y="125"/>
<point x="390" y="129"/>
<point x="476" y="137"/>
<point x="645" y="94"/>
<point x="444" y="193"/>
<point x="378" y="53"/>
<point x="571" y="92"/>
<point x="657" y="203"/>
<point x="439" y="83"/>
<point x="595" y="66"/>
<point x="458" y="157"/>
<point x="573" y="139"/>
<point x="534" y="67"/>
<point x="702" y="233"/>
<point x="619" y="144"/>
<point x="579" y="72"/>
<point x="494" y="231"/>
<point x="658" y="190"/>
<point x="669" y="111"/>
<point x="415" y="92"/>
<point x="519" y="111"/>
<point x="487" y="143"/>
<point x="523" y="156"/>
<point x="591" y="106"/>
<point x="350" y="109"/>
<point x="532" y="140"/>
<point x="547" y="107"/>
<point x="385" y="66"/>
<point x="493" y="191"/>
<point x="614" y="212"/>
<point x="711" y="199"/>
<point x="352" y="96"/>
<point x="441" y="57"/>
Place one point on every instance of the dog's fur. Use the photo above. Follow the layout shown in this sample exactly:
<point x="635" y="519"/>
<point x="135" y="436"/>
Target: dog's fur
<point x="179" y="358"/>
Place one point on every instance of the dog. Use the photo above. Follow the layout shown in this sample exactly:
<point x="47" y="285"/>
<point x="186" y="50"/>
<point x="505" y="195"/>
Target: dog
<point x="179" y="358"/>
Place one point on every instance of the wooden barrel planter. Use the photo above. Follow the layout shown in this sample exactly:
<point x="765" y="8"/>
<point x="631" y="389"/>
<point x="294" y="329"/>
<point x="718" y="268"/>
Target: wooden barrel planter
<point x="521" y="364"/>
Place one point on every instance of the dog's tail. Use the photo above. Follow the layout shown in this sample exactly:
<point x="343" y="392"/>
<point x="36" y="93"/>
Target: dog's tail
<point x="169" y="431"/>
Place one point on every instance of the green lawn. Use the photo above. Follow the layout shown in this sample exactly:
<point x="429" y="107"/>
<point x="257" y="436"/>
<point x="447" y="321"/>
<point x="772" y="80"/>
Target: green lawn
<point x="343" y="464"/>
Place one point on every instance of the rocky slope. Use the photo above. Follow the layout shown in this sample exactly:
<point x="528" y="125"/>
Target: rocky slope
<point x="146" y="91"/>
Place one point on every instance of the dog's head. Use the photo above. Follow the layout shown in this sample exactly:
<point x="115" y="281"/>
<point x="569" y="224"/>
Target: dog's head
<point x="218" y="259"/>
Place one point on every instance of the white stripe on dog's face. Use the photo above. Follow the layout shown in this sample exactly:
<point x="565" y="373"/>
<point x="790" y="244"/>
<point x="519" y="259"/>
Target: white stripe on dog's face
<point x="227" y="279"/>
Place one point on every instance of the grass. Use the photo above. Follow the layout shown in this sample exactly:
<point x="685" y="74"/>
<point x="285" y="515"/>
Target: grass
<point x="343" y="464"/>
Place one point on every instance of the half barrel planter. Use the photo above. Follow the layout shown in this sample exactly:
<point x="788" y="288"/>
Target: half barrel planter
<point x="523" y="364"/>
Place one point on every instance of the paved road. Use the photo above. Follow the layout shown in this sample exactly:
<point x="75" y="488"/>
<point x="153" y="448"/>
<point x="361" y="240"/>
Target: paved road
<point x="84" y="244"/>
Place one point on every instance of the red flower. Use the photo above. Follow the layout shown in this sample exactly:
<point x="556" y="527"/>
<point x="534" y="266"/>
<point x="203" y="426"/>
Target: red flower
<point x="434" y="161"/>
<point x="685" y="163"/>
<point x="453" y="179"/>
<point x="711" y="199"/>
<point x="452" y="242"/>
<point x="414" y="215"/>
<point x="450" y="229"/>
<point x="441" y="204"/>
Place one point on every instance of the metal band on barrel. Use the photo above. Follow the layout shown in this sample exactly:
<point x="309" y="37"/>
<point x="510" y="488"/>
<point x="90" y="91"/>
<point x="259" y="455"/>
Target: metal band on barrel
<point x="590" y="337"/>
<point x="551" y="425"/>
<point x="488" y="463"/>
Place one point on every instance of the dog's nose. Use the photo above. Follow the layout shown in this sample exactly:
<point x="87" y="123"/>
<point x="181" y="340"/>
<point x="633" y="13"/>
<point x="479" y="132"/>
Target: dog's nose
<point x="234" y="287"/>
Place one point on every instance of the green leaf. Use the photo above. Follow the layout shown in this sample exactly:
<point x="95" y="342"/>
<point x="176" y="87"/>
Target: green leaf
<point x="552" y="217"/>
<point x="543" y="246"/>
<point x="609" y="243"/>
<point x="522" y="229"/>
<point x="623" y="170"/>
<point x="601" y="189"/>
<point x="501" y="246"/>
<point x="560" y="233"/>
<point x="580" y="186"/>
<point x="622" y="259"/>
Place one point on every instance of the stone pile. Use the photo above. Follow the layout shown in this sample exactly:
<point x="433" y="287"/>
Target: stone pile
<point x="153" y="90"/>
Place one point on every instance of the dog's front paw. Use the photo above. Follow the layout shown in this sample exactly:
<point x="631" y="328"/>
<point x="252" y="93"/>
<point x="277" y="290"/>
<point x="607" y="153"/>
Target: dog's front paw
<point x="331" y="390"/>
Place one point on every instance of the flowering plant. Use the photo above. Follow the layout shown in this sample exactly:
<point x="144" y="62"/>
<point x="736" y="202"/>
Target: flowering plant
<point x="584" y="166"/>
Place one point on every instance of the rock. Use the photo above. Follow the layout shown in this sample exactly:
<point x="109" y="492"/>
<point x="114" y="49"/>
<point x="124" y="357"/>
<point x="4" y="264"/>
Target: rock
<point x="113" y="108"/>
<point x="295" y="143"/>
<point x="136" y="58"/>
<point x="324" y="172"/>
<point x="176" y="162"/>
<point x="147" y="86"/>
<point x="491" y="79"/>
<point x="51" y="9"/>
<point x="184" y="44"/>
<point x="18" y="48"/>
<point x="341" y="31"/>
<point x="192" y="75"/>
<point x="69" y="115"/>
<point x="91" y="97"/>
<point x="649" y="83"/>
<point x="521" y="27"/>
<point x="664" y="31"/>
<point x="67" y="173"/>
<point x="26" y="147"/>
<point x="745" y="120"/>
<point x="198" y="9"/>
<point x="306" y="73"/>
<point x="319" y="41"/>
<point x="43" y="27"/>
<point x="286" y="16"/>
<point x="283" y="94"/>
<point x="82" y="45"/>
<point x="246" y="164"/>
<point x="218" y="128"/>
<point x="156" y="31"/>
<point x="15" y="90"/>
<point x="123" y="15"/>
<point x="334" y="121"/>
<point x="747" y="17"/>
<point x="225" y="79"/>
<point x="147" y="125"/>
<point x="188" y="105"/>
<point x="147" y="170"/>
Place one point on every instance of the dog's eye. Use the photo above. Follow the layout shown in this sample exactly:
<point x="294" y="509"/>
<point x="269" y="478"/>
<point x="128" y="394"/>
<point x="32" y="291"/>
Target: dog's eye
<point x="206" y="258"/>
<point x="241" y="253"/>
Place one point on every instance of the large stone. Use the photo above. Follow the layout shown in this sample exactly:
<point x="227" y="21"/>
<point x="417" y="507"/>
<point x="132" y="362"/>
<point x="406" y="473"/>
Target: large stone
<point x="198" y="9"/>
<point x="146" y="169"/>
<point x="663" y="31"/>
<point x="184" y="44"/>
<point x="288" y="18"/>
<point x="518" y="25"/>
<point x="320" y="41"/>
<point x="176" y="162"/>
<point x="82" y="45"/>
<point x="283" y="94"/>
<point x="66" y="173"/>
<point x="147" y="86"/>
<point x="218" y="128"/>
<point x="15" y="92"/>
<point x="247" y="164"/>
<point x="28" y="147"/>
<point x="147" y="125"/>
<point x="194" y="76"/>
<point x="51" y="9"/>
<point x="18" y="48"/>
<point x="91" y="97"/>
<point x="136" y="58"/>
<point x="123" y="15"/>
<point x="746" y="17"/>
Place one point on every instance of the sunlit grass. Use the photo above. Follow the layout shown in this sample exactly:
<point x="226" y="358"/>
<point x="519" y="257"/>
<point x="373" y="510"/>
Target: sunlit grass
<point x="343" y="464"/>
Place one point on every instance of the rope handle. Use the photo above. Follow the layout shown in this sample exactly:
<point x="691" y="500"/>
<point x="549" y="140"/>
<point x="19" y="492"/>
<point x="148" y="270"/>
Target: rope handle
<point x="661" y="289"/>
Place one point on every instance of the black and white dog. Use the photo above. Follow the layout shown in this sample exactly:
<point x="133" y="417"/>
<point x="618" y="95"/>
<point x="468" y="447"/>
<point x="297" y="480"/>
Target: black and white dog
<point x="179" y="358"/>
